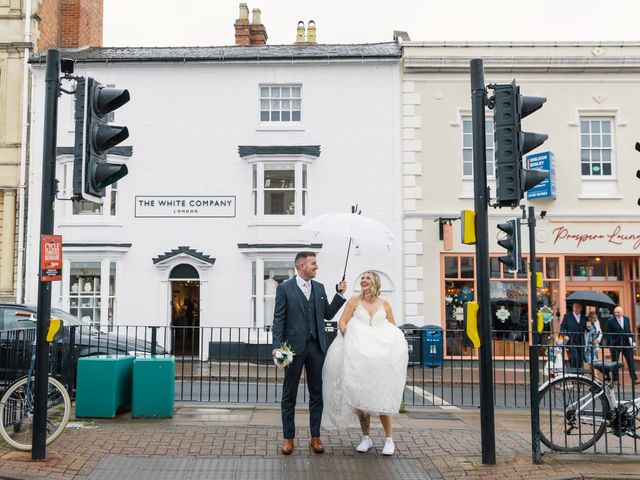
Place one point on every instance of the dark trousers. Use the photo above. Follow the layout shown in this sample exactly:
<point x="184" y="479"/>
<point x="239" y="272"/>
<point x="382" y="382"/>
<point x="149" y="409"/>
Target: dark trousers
<point x="576" y="356"/>
<point x="627" y="353"/>
<point x="312" y="359"/>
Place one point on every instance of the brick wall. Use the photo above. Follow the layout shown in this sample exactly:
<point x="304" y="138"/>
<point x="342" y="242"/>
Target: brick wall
<point x="70" y="23"/>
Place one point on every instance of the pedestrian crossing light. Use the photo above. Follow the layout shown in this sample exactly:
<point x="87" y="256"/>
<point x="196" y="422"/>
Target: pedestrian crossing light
<point x="468" y="227"/>
<point x="511" y="243"/>
<point x="92" y="173"/>
<point x="511" y="143"/>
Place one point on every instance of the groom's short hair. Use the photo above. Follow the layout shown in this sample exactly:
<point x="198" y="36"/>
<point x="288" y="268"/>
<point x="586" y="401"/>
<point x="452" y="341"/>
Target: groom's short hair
<point x="302" y="256"/>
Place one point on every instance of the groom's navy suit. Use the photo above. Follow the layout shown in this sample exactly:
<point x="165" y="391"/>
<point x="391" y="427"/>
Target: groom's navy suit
<point x="300" y="323"/>
<point x="620" y="340"/>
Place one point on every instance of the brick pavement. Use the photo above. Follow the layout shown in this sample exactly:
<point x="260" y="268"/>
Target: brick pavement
<point x="446" y="445"/>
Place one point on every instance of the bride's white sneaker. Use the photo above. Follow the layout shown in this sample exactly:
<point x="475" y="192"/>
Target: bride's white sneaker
<point x="365" y="444"/>
<point x="389" y="447"/>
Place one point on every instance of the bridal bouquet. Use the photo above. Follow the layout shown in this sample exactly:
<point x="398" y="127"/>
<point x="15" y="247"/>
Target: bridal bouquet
<point x="283" y="356"/>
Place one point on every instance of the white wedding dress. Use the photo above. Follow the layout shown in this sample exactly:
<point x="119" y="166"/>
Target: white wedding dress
<point x="366" y="369"/>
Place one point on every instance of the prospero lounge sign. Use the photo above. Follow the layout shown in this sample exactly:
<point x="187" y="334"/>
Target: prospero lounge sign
<point x="164" y="206"/>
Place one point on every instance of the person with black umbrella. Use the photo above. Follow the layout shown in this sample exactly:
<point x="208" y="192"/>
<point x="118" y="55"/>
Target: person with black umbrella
<point x="572" y="328"/>
<point x="620" y="340"/>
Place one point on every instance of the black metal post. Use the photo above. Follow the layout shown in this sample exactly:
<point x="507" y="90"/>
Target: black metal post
<point x="52" y="85"/>
<point x="481" y="194"/>
<point x="534" y="362"/>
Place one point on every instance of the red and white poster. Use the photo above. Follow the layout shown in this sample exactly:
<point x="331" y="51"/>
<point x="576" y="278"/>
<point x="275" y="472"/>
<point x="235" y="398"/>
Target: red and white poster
<point x="51" y="257"/>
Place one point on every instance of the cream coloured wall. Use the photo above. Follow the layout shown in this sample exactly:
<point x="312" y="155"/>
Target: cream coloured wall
<point x="577" y="79"/>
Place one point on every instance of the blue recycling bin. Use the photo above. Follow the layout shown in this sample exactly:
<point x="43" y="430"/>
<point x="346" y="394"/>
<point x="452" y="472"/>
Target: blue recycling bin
<point x="432" y="346"/>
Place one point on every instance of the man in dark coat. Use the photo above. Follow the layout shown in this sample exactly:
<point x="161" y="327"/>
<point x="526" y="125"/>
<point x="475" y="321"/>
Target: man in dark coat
<point x="620" y="341"/>
<point x="298" y="319"/>
<point x="572" y="328"/>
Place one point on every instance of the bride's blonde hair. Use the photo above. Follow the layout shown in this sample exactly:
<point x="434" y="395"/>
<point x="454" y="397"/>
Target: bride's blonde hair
<point x="377" y="284"/>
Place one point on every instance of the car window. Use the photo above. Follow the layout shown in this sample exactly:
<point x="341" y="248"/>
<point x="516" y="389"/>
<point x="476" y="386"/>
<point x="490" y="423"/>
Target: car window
<point x="11" y="321"/>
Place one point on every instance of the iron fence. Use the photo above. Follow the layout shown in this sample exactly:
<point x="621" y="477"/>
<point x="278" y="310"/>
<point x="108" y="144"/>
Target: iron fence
<point x="234" y="364"/>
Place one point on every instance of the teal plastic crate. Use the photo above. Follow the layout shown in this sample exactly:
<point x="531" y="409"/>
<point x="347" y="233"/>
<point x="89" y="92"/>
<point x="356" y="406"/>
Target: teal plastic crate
<point x="103" y="385"/>
<point x="153" y="386"/>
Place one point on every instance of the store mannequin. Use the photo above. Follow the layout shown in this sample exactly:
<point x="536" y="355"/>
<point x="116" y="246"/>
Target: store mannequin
<point x="270" y="284"/>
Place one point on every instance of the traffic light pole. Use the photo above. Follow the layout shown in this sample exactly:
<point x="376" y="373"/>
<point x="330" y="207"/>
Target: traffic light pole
<point x="481" y="194"/>
<point x="52" y="85"/>
<point x="534" y="363"/>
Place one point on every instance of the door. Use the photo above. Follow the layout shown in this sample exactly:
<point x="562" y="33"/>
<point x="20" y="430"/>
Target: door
<point x="185" y="318"/>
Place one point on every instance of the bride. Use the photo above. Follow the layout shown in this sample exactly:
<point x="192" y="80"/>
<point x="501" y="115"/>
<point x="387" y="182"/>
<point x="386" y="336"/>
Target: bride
<point x="365" y="368"/>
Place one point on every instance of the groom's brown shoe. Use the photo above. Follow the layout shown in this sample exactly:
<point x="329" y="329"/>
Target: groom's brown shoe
<point x="316" y="445"/>
<point x="287" y="446"/>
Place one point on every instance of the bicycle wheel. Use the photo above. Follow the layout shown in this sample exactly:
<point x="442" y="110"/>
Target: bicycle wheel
<point x="16" y="412"/>
<point x="573" y="414"/>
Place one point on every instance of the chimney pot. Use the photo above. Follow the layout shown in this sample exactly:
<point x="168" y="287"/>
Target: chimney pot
<point x="244" y="12"/>
<point x="255" y="17"/>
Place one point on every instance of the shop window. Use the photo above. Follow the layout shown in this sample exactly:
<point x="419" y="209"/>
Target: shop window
<point x="266" y="275"/>
<point x="92" y="291"/>
<point x="594" y="269"/>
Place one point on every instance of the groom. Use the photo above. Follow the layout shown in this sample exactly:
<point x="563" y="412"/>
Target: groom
<point x="298" y="319"/>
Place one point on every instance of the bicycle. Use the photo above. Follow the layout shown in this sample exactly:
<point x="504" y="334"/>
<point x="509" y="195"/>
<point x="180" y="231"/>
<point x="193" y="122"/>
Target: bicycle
<point x="17" y="404"/>
<point x="580" y="409"/>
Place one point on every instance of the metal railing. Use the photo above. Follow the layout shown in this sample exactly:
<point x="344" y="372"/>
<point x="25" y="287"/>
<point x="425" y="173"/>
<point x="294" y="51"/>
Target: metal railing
<point x="234" y="364"/>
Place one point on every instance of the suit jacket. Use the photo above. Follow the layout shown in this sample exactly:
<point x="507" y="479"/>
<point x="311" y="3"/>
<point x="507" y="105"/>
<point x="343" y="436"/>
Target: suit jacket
<point x="616" y="336"/>
<point x="573" y="329"/>
<point x="289" y="318"/>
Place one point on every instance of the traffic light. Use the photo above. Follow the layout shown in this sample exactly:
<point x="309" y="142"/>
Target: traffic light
<point x="94" y="137"/>
<point x="511" y="243"/>
<point x="511" y="143"/>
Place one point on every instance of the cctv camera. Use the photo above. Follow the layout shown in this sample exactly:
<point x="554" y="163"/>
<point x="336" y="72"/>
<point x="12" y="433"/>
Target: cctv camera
<point x="543" y="213"/>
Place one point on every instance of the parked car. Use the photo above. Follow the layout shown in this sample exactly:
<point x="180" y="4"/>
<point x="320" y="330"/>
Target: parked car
<point x="18" y="331"/>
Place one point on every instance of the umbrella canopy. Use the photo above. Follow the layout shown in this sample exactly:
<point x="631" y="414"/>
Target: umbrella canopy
<point x="353" y="226"/>
<point x="591" y="298"/>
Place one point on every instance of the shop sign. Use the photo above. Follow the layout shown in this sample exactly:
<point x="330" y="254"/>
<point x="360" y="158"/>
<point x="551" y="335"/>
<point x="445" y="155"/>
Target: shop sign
<point x="50" y="258"/>
<point x="547" y="188"/>
<point x="164" y="206"/>
<point x="616" y="236"/>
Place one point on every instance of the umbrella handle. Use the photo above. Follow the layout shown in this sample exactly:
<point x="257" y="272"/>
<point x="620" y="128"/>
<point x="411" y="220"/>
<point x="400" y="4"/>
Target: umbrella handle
<point x="344" y="274"/>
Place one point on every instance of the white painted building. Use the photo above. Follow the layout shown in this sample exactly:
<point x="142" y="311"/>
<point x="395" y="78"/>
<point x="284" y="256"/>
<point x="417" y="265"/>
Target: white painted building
<point x="233" y="148"/>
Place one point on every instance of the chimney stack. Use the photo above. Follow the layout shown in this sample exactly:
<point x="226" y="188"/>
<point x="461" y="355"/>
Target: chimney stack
<point x="257" y="29"/>
<point x="300" y="34"/>
<point x="243" y="35"/>
<point x="311" y="33"/>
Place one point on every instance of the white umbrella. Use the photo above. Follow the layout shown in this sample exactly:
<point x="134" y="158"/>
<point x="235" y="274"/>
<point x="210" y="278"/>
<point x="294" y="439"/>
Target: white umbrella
<point x="354" y="227"/>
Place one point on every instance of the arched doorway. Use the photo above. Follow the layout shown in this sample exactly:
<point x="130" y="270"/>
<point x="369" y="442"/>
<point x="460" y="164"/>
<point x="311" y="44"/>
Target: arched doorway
<point x="185" y="310"/>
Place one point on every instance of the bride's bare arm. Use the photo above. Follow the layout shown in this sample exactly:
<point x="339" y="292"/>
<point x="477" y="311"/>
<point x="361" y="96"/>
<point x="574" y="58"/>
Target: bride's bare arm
<point x="389" y="312"/>
<point x="347" y="314"/>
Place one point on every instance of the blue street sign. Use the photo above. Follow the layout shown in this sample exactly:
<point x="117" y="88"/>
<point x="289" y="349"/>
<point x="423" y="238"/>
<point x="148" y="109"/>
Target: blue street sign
<point x="543" y="161"/>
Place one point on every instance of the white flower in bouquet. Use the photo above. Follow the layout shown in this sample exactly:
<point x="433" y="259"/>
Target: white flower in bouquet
<point x="283" y="356"/>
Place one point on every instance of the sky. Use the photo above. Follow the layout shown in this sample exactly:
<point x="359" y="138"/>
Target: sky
<point x="163" y="23"/>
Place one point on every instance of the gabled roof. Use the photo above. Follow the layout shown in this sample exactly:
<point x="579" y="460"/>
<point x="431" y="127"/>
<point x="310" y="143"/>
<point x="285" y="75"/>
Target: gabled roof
<point x="234" y="53"/>
<point x="184" y="250"/>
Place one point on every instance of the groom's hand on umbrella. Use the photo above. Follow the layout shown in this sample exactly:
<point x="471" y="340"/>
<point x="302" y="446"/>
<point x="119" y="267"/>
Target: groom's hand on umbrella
<point x="341" y="287"/>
